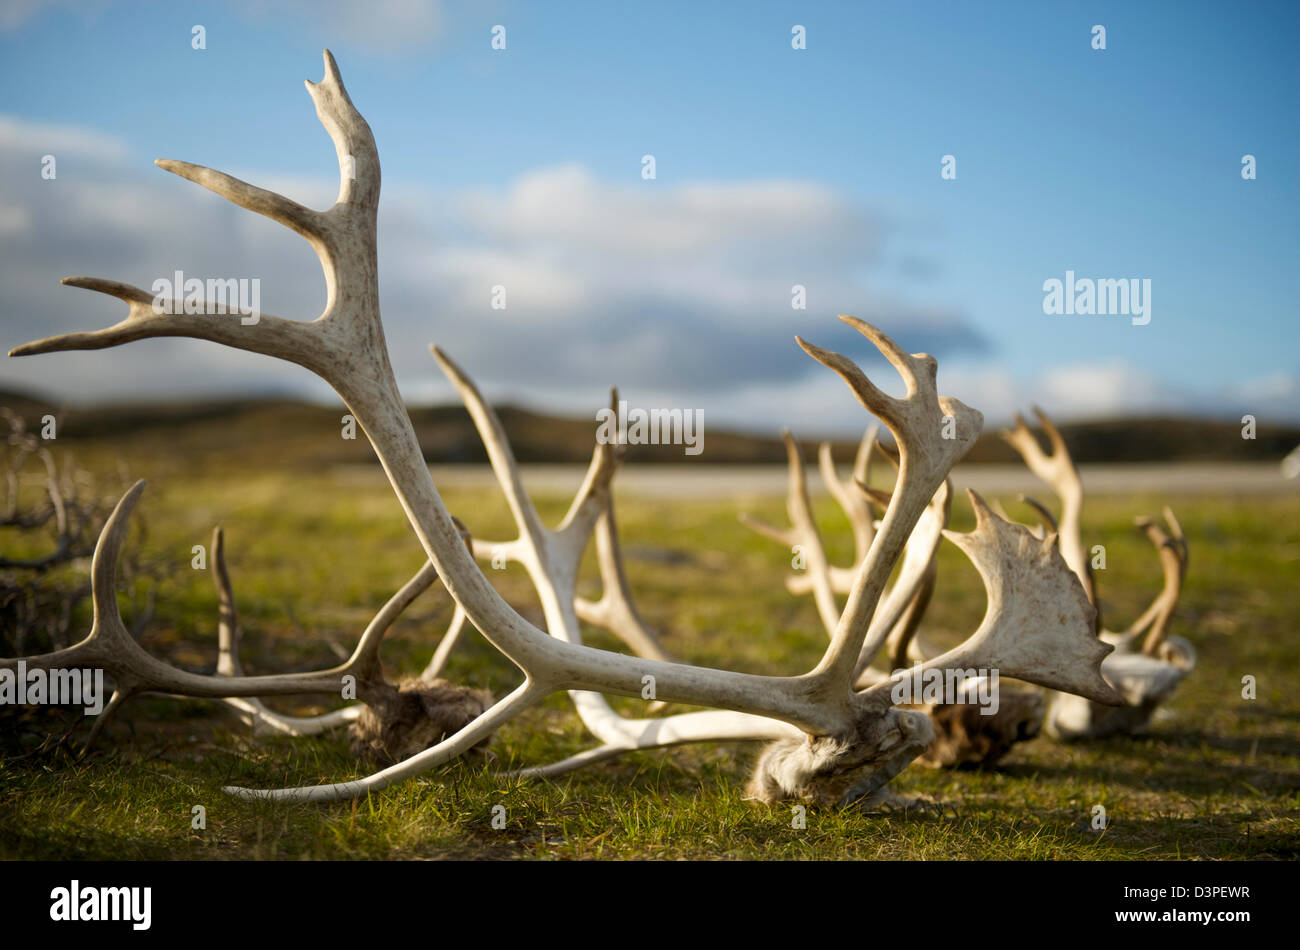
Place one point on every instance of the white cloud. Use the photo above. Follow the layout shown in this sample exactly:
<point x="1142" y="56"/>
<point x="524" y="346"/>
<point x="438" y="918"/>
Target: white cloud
<point x="1105" y="389"/>
<point x="32" y="140"/>
<point x="1113" y="388"/>
<point x="678" y="293"/>
<point x="1276" y="387"/>
<point x="14" y="220"/>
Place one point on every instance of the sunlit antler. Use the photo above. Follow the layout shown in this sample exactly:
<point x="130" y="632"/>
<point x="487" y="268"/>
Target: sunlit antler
<point x="852" y="742"/>
<point x="1057" y="469"/>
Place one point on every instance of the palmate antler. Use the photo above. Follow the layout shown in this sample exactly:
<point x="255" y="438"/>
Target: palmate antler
<point x="1146" y="674"/>
<point x="851" y="741"/>
<point x="966" y="733"/>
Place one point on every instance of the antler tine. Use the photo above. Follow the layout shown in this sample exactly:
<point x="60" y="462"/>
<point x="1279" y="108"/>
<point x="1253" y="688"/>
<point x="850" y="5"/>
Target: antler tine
<point x="446" y="645"/>
<point x="353" y="139"/>
<point x="782" y="536"/>
<point x="1023" y="441"/>
<point x="252" y="711"/>
<point x="826" y="466"/>
<point x="1054" y="436"/>
<point x="857" y="509"/>
<point x="924" y="463"/>
<point x="96" y="650"/>
<point x="862" y="461"/>
<point x="500" y="455"/>
<point x="887" y="455"/>
<point x="107" y="625"/>
<point x="1062" y="476"/>
<point x="229" y="633"/>
<point x="616" y="611"/>
<point x="1049" y="522"/>
<point x="1173" y="562"/>
<point x="919" y="370"/>
<point x="303" y="220"/>
<point x="818" y="576"/>
<point x="876" y="495"/>
<point x="799" y="508"/>
<point x="593" y="498"/>
<point x="272" y="336"/>
<point x="1176" y="536"/>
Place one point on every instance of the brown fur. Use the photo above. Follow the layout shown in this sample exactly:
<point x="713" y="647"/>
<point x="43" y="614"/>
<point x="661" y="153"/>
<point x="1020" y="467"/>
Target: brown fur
<point x="840" y="770"/>
<point x="417" y="715"/>
<point x="964" y="736"/>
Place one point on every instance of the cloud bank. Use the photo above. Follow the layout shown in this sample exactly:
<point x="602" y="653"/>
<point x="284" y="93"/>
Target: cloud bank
<point x="680" y="294"/>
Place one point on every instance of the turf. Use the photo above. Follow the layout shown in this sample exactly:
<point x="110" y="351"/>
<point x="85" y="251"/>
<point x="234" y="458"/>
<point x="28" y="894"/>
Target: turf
<point x="313" y="556"/>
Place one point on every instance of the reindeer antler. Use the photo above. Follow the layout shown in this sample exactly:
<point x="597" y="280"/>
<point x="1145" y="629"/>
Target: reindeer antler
<point x="1146" y="678"/>
<point x="1058" y="470"/>
<point x="1172" y="549"/>
<point x="852" y="743"/>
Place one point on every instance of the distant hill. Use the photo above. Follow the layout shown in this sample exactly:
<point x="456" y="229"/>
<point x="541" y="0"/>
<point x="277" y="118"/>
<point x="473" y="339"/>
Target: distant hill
<point x="277" y="432"/>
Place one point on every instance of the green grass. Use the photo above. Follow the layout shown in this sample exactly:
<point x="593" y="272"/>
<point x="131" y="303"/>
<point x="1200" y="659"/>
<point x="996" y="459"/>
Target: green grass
<point x="312" y="558"/>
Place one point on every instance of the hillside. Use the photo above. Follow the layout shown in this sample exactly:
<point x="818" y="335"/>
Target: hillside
<point x="285" y="433"/>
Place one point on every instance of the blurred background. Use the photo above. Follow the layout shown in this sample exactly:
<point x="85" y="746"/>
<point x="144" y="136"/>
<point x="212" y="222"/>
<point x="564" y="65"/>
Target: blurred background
<point x="659" y="196"/>
<point x="821" y="167"/>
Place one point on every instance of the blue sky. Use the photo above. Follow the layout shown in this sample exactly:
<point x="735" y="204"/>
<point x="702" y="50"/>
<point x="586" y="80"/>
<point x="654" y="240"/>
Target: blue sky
<point x="774" y="167"/>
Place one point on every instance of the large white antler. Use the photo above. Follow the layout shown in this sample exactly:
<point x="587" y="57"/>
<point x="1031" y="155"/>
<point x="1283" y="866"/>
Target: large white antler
<point x="853" y="742"/>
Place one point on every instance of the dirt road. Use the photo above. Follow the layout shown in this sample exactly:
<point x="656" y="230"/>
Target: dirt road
<point x="740" y="481"/>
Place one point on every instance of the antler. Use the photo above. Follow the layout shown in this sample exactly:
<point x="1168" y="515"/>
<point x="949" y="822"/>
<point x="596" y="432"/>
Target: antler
<point x="854" y="496"/>
<point x="1146" y="678"/>
<point x="1057" y="470"/>
<point x="552" y="558"/>
<point x="846" y="732"/>
<point x="1172" y="549"/>
<point x="803" y="534"/>
<point x="1060" y="472"/>
<point x="964" y="733"/>
<point x="1023" y="579"/>
<point x="903" y="608"/>
<point x="111" y="647"/>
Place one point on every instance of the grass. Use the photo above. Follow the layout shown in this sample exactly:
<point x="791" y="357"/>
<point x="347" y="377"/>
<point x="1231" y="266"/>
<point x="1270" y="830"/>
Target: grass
<point x="313" y="557"/>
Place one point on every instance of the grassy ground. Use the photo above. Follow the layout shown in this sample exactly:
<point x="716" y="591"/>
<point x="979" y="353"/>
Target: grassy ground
<point x="311" y="559"/>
